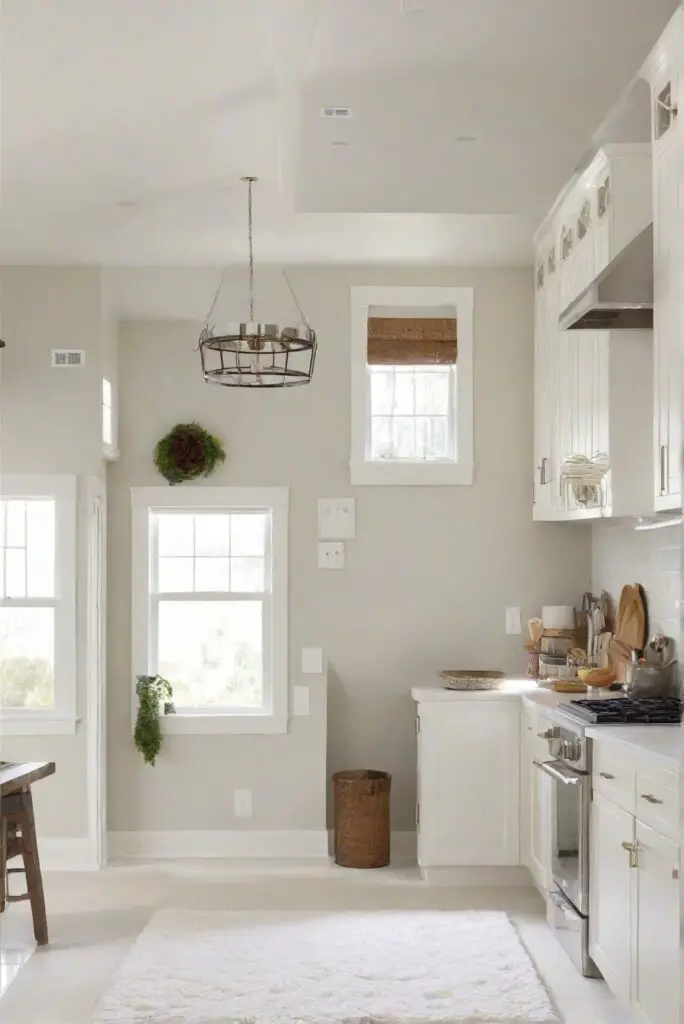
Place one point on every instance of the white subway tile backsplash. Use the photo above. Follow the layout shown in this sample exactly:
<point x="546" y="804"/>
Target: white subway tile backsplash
<point x="652" y="558"/>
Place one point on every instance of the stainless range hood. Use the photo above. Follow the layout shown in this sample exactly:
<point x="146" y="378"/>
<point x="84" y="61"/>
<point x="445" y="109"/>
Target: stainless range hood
<point x="621" y="298"/>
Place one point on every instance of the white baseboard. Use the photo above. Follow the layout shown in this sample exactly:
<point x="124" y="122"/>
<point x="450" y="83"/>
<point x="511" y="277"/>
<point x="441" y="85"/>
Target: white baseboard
<point x="512" y="877"/>
<point x="71" y="854"/>
<point x="175" y="845"/>
<point x="403" y="847"/>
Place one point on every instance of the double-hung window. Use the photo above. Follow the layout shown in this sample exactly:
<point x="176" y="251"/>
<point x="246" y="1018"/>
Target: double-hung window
<point x="412" y="385"/>
<point x="37" y="604"/>
<point x="210" y="604"/>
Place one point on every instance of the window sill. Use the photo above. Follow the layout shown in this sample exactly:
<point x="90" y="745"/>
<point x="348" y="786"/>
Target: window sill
<point x="426" y="474"/>
<point x="36" y="723"/>
<point x="202" y="725"/>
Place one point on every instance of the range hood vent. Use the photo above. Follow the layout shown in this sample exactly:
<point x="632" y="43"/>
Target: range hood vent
<point x="621" y="298"/>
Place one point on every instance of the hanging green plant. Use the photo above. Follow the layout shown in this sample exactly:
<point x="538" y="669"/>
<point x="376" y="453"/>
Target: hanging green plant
<point x="155" y="698"/>
<point x="187" y="452"/>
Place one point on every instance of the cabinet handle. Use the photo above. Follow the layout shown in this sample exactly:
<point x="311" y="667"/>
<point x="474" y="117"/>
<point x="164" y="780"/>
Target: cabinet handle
<point x="675" y="873"/>
<point x="543" y="479"/>
<point x="663" y="469"/>
<point x="632" y="849"/>
<point x="606" y="775"/>
<point x="650" y="798"/>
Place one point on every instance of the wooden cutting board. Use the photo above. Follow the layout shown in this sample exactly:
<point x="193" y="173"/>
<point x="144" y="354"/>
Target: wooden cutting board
<point x="630" y="628"/>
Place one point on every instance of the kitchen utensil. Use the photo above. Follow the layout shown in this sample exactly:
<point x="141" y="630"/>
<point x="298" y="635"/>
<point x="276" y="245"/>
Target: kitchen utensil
<point x="558" y="616"/>
<point x="660" y="649"/>
<point x="471" y="679"/>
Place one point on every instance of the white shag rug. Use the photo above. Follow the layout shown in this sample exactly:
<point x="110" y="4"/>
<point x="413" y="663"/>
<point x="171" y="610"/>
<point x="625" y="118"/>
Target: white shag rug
<point x="389" y="967"/>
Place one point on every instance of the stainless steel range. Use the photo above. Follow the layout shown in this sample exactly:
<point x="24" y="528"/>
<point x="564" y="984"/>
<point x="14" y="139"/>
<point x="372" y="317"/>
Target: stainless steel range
<point x="569" y="768"/>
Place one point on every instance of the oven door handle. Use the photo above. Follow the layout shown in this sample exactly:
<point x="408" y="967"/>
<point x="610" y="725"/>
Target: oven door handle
<point x="559" y="773"/>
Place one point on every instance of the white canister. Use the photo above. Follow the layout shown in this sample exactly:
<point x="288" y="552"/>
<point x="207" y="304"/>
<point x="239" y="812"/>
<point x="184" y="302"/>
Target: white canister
<point x="558" y="616"/>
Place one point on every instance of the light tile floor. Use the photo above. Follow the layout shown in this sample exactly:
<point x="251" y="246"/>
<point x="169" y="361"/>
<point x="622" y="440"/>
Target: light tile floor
<point x="94" y="919"/>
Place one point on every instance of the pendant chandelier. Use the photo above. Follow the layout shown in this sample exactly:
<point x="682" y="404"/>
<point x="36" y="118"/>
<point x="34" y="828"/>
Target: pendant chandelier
<point x="251" y="354"/>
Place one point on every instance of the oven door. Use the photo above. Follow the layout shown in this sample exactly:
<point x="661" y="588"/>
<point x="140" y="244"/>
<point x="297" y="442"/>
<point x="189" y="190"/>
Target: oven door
<point x="570" y="805"/>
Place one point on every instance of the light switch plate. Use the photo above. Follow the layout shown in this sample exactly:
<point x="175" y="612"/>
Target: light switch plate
<point x="312" y="661"/>
<point x="331" y="555"/>
<point x="513" y="624"/>
<point x="300" y="700"/>
<point x="336" y="518"/>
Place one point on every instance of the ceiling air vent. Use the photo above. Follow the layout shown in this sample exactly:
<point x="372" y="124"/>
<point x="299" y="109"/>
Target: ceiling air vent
<point x="337" y="113"/>
<point x="66" y="358"/>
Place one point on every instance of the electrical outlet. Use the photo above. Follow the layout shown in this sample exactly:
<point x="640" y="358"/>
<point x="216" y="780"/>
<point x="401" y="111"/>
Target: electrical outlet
<point x="513" y="623"/>
<point x="242" y="803"/>
<point x="331" y="555"/>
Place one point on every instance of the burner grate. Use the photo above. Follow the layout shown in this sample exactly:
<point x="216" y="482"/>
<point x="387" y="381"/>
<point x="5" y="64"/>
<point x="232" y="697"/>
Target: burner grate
<point x="623" y="711"/>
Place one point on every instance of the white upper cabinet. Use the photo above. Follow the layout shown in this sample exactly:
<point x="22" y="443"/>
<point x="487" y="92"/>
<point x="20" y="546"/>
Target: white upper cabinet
<point x="604" y="209"/>
<point x="668" y="265"/>
<point x="592" y="388"/>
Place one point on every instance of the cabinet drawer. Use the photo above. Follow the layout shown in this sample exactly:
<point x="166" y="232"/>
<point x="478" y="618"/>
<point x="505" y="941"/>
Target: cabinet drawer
<point x="657" y="800"/>
<point x="613" y="776"/>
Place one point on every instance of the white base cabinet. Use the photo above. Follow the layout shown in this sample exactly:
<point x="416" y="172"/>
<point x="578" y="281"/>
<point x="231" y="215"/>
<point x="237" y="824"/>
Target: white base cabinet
<point x="634" y="919"/>
<point x="468" y="783"/>
<point x="610" y="895"/>
<point x="535" y="800"/>
<point x="656" y="935"/>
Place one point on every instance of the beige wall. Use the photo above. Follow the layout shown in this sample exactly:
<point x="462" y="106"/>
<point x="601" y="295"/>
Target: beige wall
<point x="427" y="579"/>
<point x="50" y="423"/>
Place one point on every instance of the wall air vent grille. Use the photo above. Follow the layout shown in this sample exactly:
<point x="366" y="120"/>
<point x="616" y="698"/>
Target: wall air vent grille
<point x="67" y="358"/>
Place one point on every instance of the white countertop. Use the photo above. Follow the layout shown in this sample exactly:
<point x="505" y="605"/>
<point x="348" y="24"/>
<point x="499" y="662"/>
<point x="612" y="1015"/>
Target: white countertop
<point x="508" y="689"/>
<point x="661" y="743"/>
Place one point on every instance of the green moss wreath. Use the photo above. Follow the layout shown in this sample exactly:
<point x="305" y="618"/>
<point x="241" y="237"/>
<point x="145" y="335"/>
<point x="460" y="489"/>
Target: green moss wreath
<point x="187" y="452"/>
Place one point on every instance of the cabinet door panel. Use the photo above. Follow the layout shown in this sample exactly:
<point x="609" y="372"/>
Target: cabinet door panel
<point x="656" y="973"/>
<point x="469" y="784"/>
<point x="667" y="317"/>
<point x="611" y="894"/>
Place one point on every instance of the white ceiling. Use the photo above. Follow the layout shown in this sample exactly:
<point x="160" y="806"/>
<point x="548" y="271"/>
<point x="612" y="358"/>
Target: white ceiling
<point x="160" y="105"/>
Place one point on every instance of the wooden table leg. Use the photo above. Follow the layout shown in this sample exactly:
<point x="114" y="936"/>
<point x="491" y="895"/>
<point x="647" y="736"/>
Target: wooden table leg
<point x="3" y="860"/>
<point x="34" y="877"/>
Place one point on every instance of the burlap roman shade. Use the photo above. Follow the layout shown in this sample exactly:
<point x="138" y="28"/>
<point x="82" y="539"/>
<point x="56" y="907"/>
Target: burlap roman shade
<point x="411" y="341"/>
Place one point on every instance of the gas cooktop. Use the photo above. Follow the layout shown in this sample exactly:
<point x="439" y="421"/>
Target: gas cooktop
<point x="623" y="711"/>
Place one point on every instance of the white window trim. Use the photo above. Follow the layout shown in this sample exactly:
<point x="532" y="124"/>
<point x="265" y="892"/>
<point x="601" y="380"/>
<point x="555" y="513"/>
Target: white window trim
<point x="276" y="500"/>
<point x="110" y="450"/>
<point x="61" y="719"/>
<point x="448" y="472"/>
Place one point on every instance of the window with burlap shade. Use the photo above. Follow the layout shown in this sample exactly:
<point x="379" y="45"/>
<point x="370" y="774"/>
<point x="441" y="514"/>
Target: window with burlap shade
<point x="411" y="385"/>
<point x="412" y="341"/>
